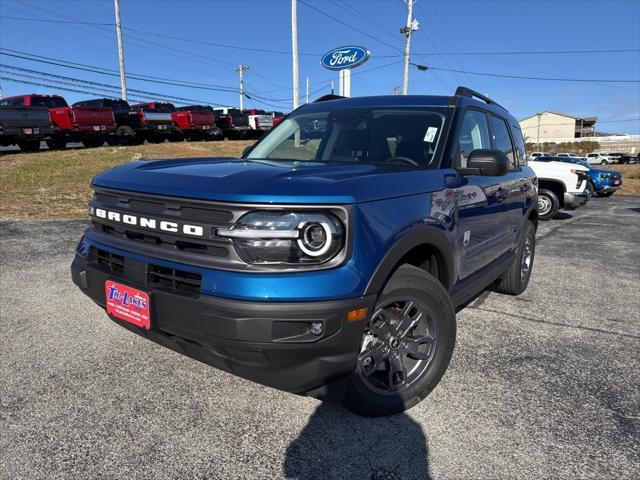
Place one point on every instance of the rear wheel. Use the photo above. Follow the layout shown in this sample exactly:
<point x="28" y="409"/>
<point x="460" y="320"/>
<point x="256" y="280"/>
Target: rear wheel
<point x="56" y="143"/>
<point x="29" y="146"/>
<point x="406" y="347"/>
<point x="604" y="162"/>
<point x="515" y="280"/>
<point x="548" y="204"/>
<point x="126" y="136"/>
<point x="93" y="142"/>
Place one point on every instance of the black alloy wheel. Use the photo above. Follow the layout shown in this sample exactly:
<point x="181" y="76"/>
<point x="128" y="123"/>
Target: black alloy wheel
<point x="398" y="346"/>
<point x="406" y="345"/>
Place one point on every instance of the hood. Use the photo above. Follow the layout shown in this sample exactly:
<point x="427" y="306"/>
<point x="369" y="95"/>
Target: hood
<point x="557" y="167"/>
<point x="598" y="171"/>
<point x="234" y="180"/>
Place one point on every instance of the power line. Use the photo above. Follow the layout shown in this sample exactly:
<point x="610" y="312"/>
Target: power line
<point x="548" y="79"/>
<point x="351" y="27"/>
<point x="74" y="22"/>
<point x="538" y="52"/>
<point x="97" y="85"/>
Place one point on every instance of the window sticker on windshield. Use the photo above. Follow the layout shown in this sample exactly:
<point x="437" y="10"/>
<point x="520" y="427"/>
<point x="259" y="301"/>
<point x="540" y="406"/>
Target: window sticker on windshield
<point x="431" y="134"/>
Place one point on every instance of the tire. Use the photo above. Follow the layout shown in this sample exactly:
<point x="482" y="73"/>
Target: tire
<point x="515" y="280"/>
<point x="548" y="204"/>
<point x="29" y="146"/>
<point x="56" y="143"/>
<point x="176" y="136"/>
<point x="416" y="356"/>
<point x="93" y="142"/>
<point x="604" y="162"/>
<point x="126" y="136"/>
<point x="591" y="188"/>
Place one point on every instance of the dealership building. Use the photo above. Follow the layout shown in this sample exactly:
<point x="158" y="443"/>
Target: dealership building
<point x="557" y="127"/>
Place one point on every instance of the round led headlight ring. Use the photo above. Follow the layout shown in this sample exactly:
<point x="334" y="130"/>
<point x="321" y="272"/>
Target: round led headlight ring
<point x="315" y="238"/>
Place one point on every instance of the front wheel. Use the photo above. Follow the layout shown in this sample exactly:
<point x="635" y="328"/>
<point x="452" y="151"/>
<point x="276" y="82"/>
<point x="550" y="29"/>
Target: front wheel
<point x="604" y="162"/>
<point x="548" y="204"/>
<point x="406" y="347"/>
<point x="29" y="146"/>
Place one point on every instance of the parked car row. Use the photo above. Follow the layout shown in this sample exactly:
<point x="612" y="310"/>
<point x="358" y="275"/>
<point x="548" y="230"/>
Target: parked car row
<point x="26" y="120"/>
<point x="594" y="158"/>
<point x="567" y="181"/>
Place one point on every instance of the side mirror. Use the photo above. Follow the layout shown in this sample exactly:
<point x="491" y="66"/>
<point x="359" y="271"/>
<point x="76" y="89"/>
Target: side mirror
<point x="488" y="163"/>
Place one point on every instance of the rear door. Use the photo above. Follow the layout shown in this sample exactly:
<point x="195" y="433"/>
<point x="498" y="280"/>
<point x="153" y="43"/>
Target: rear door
<point x="513" y="184"/>
<point x="483" y="226"/>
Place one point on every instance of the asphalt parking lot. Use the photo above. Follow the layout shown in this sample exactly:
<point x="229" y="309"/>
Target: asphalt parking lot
<point x="545" y="385"/>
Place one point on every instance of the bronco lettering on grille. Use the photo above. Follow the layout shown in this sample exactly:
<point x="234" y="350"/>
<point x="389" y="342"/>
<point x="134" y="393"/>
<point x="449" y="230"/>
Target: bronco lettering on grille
<point x="146" y="222"/>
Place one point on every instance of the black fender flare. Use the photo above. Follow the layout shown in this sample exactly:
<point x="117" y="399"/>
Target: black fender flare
<point x="427" y="235"/>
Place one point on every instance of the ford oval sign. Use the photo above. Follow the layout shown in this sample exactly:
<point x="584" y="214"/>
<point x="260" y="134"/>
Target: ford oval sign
<point x="345" y="57"/>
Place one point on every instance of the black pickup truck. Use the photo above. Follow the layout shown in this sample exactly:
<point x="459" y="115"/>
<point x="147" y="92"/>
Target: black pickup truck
<point x="233" y="122"/>
<point x="23" y="126"/>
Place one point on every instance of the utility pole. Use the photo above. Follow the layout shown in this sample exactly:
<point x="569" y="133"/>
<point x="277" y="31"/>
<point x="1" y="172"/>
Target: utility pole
<point x="241" y="69"/>
<point x="411" y="26"/>
<point x="123" y="78"/>
<point x="307" y="89"/>
<point x="294" y="51"/>
<point x="539" y="115"/>
<point x="331" y="87"/>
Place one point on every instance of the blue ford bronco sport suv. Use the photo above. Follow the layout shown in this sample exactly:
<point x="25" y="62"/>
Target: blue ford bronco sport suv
<point x="331" y="258"/>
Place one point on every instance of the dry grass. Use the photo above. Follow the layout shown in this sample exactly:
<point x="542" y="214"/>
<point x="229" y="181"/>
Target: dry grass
<point x="630" y="178"/>
<point x="55" y="185"/>
<point x="50" y="185"/>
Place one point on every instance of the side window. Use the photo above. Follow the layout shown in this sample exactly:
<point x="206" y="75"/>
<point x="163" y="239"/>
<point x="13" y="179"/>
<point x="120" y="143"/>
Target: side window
<point x="519" y="141"/>
<point x="502" y="139"/>
<point x="474" y="134"/>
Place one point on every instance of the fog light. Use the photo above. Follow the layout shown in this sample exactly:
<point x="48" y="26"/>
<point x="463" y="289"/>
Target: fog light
<point x="316" y="328"/>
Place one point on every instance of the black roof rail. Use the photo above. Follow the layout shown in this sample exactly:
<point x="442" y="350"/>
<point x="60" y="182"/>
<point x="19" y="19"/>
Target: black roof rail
<point x="467" y="92"/>
<point x="324" y="98"/>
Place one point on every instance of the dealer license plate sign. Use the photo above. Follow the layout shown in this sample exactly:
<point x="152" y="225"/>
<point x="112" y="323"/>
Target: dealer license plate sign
<point x="128" y="304"/>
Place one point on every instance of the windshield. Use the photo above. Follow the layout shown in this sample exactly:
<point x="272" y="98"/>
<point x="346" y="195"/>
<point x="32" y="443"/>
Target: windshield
<point x="356" y="135"/>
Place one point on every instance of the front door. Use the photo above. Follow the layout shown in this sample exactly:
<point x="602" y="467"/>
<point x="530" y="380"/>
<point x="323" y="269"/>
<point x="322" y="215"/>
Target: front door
<point x="484" y="228"/>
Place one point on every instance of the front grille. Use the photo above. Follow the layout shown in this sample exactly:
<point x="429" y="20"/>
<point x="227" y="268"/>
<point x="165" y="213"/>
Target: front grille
<point x="208" y="215"/>
<point x="155" y="276"/>
<point x="172" y="279"/>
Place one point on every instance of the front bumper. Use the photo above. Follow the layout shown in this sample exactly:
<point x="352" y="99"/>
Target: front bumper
<point x="609" y="188"/>
<point x="265" y="342"/>
<point x="575" y="200"/>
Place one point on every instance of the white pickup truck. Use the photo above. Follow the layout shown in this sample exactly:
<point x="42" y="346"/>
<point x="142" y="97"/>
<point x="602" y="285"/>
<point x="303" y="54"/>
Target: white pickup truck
<point x="560" y="186"/>
<point x="259" y="121"/>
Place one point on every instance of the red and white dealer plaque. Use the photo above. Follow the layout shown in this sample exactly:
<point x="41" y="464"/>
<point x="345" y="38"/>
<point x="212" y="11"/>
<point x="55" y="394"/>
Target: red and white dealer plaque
<point x="127" y="303"/>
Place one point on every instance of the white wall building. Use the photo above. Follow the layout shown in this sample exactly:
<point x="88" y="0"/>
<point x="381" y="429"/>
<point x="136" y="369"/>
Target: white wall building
<point x="556" y="127"/>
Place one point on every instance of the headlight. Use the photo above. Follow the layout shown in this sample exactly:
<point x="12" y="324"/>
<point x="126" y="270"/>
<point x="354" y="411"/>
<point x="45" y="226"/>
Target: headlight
<point x="287" y="238"/>
<point x="604" y="175"/>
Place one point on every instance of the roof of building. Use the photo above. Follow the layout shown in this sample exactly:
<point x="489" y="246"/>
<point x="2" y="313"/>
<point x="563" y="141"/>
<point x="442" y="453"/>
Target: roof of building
<point x="585" y="119"/>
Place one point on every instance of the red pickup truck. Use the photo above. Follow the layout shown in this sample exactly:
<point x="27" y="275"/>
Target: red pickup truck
<point x="89" y="125"/>
<point x="197" y="122"/>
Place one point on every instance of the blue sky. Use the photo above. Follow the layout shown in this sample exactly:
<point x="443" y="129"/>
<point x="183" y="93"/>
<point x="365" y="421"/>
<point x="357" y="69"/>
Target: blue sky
<point x="446" y="27"/>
